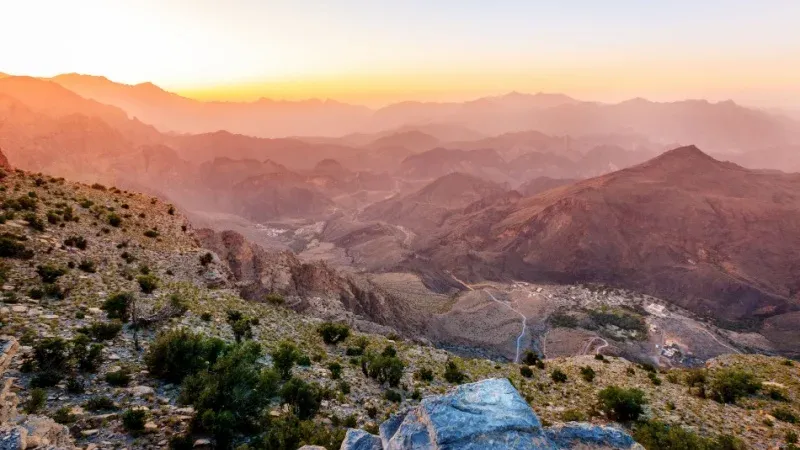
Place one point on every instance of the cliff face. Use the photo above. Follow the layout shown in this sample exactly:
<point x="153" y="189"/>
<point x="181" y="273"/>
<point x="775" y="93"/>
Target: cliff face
<point x="487" y="415"/>
<point x="4" y="164"/>
<point x="314" y="288"/>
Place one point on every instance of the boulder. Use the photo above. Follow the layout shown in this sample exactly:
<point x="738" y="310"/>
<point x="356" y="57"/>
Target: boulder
<point x="488" y="415"/>
<point x="360" y="440"/>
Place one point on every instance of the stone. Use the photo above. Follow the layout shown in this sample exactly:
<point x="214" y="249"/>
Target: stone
<point x="360" y="440"/>
<point x="13" y="438"/>
<point x="150" y="427"/>
<point x="311" y="447"/>
<point x="19" y="308"/>
<point x="142" y="391"/>
<point x="88" y="433"/>
<point x="487" y="415"/>
<point x="202" y="443"/>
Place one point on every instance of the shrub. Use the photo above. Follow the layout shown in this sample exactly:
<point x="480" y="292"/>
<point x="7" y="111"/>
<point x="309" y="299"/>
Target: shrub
<point x="75" y="386"/>
<point x="49" y="274"/>
<point x="133" y="420"/>
<point x="621" y="404"/>
<point x="654" y="379"/>
<point x="333" y="333"/>
<point x="525" y="371"/>
<point x="336" y="370"/>
<point x="658" y="435"/>
<point x="52" y="355"/>
<point x="303" y="397"/>
<point x="385" y="368"/>
<point x="284" y="358"/>
<point x="530" y="358"/>
<point x="453" y="373"/>
<point x="34" y="222"/>
<point x="87" y="266"/>
<point x="147" y="283"/>
<point x="393" y="396"/>
<point x="151" y="234"/>
<point x="178" y="353"/>
<point x="64" y="415"/>
<point x="424" y="374"/>
<point x="242" y="329"/>
<point x="11" y="248"/>
<point x="100" y="403"/>
<point x="344" y="387"/>
<point x="729" y="385"/>
<point x="587" y="373"/>
<point x="206" y="259"/>
<point x="791" y="437"/>
<point x="275" y="299"/>
<point x="599" y="357"/>
<point x="573" y="415"/>
<point x="558" y="376"/>
<point x="36" y="401"/>
<point x="117" y="306"/>
<point x="114" y="220"/>
<point x="563" y="320"/>
<point x="104" y="331"/>
<point x="118" y="378"/>
<point x="231" y="395"/>
<point x="206" y="317"/>
<point x="86" y="355"/>
<point x="784" y="415"/>
<point x="78" y="242"/>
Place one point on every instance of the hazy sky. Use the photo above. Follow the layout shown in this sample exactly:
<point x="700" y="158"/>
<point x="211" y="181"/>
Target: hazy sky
<point x="373" y="51"/>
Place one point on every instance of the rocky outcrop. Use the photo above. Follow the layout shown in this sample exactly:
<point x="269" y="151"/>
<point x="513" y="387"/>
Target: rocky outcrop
<point x="487" y="415"/>
<point x="4" y="164"/>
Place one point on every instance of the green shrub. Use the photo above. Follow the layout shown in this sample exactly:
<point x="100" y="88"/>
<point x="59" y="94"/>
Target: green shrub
<point x="728" y="385"/>
<point x="563" y="320"/>
<point x="64" y="415"/>
<point x="654" y="379"/>
<point x="558" y="376"/>
<point x="573" y="415"/>
<point x="100" y="403"/>
<point x="50" y="274"/>
<point x="284" y="358"/>
<point x="587" y="373"/>
<point x="11" y="248"/>
<point x="114" y="220"/>
<point x="134" y="419"/>
<point x="34" y="222"/>
<point x="393" y="396"/>
<point x="118" y="306"/>
<point x="87" y="356"/>
<point x="75" y="386"/>
<point x="304" y="398"/>
<point x="78" y="242"/>
<point x="333" y="333"/>
<point x="424" y="374"/>
<point x="36" y="401"/>
<point x="530" y="358"/>
<point x="622" y="404"/>
<point x="275" y="299"/>
<point x="654" y="435"/>
<point x="88" y="266"/>
<point x="178" y="353"/>
<point x="385" y="368"/>
<point x="147" y="283"/>
<point x="231" y="396"/>
<point x="525" y="371"/>
<point x="784" y="415"/>
<point x="791" y="437"/>
<point x="104" y="331"/>
<point x="453" y="373"/>
<point x="118" y="378"/>
<point x="151" y="234"/>
<point x="336" y="370"/>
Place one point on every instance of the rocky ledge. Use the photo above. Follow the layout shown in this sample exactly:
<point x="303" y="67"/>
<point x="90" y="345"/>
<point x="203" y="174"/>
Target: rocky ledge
<point x="488" y="415"/>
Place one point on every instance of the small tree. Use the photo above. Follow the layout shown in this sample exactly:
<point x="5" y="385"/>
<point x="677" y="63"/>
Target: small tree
<point x="333" y="333"/>
<point x="284" y="358"/>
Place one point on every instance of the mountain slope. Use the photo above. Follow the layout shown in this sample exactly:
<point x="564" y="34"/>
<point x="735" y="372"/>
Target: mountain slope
<point x="710" y="236"/>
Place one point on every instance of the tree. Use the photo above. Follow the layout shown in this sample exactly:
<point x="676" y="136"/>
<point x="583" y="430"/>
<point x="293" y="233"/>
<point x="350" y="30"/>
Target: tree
<point x="729" y="385"/>
<point x="304" y="397"/>
<point x="333" y="333"/>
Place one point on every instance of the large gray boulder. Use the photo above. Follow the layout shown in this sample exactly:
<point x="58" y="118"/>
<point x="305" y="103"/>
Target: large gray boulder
<point x="488" y="415"/>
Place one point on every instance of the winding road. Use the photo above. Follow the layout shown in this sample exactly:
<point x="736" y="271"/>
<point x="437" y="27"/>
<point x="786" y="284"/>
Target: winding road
<point x="508" y="305"/>
<point x="588" y="346"/>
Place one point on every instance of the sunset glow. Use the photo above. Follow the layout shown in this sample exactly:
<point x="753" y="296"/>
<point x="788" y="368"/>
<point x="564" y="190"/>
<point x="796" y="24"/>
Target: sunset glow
<point x="377" y="52"/>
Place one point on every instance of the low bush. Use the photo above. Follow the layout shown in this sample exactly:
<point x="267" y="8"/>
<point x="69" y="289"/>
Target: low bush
<point x="525" y="371"/>
<point x="558" y="376"/>
<point x="622" y="404"/>
<point x="587" y="373"/>
<point x="118" y="306"/>
<point x="303" y="397"/>
<point x="729" y="385"/>
<point x="178" y="353"/>
<point x="118" y="378"/>
<point x="654" y="435"/>
<point x="100" y="403"/>
<point x="333" y="333"/>
<point x="453" y="373"/>
<point x="36" y="401"/>
<point x="104" y="331"/>
<point x="134" y="419"/>
<point x="147" y="283"/>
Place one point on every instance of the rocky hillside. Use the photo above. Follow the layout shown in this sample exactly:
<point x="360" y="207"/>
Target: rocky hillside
<point x="120" y="326"/>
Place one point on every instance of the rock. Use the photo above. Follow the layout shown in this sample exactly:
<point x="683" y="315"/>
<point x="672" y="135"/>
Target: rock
<point x="96" y="311"/>
<point x="575" y="434"/>
<point x="19" y="308"/>
<point x="311" y="447"/>
<point x="202" y="443"/>
<point x="360" y="440"/>
<point x="150" y="427"/>
<point x="142" y="391"/>
<point x="13" y="438"/>
<point x="48" y="316"/>
<point x="88" y="433"/>
<point x="488" y="415"/>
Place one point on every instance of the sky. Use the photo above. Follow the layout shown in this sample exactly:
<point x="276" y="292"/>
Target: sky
<point x="379" y="51"/>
